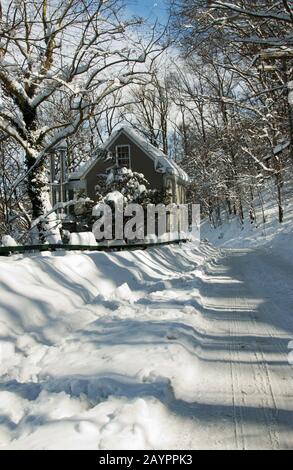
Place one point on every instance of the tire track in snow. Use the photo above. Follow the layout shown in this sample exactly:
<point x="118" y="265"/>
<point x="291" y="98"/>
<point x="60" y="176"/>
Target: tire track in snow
<point x="237" y="416"/>
<point x="260" y="367"/>
<point x="257" y="373"/>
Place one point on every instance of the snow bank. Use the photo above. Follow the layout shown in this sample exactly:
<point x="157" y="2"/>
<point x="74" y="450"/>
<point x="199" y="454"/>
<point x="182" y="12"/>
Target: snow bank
<point x="112" y="243"/>
<point x="82" y="238"/>
<point x="121" y="293"/>
<point x="134" y="350"/>
<point x="267" y="235"/>
<point x="84" y="362"/>
<point x="54" y="238"/>
<point x="7" y="240"/>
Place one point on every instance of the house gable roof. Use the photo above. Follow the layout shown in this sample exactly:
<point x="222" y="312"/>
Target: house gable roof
<point x="162" y="164"/>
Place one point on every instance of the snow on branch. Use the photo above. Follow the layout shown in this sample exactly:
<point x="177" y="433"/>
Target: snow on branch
<point x="262" y="14"/>
<point x="74" y="56"/>
<point x="261" y="164"/>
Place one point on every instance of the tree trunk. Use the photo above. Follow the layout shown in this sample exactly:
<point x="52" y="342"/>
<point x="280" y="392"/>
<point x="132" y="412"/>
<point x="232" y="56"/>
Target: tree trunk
<point x="290" y="113"/>
<point x="241" y="213"/>
<point x="280" y="204"/>
<point x="37" y="185"/>
<point x="252" y="212"/>
<point x="38" y="192"/>
<point x="264" y="220"/>
<point x="229" y="206"/>
<point x="47" y="228"/>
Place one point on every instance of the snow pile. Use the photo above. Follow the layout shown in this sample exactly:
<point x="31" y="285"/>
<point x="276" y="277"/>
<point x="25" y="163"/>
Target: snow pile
<point x="121" y="293"/>
<point x="53" y="237"/>
<point x="82" y="238"/>
<point x="7" y="240"/>
<point x="166" y="237"/>
<point x="175" y="347"/>
<point x="85" y="363"/>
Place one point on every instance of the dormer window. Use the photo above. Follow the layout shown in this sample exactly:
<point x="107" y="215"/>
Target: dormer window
<point x="123" y="156"/>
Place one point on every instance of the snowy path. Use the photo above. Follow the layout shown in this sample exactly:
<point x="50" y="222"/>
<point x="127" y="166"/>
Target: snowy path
<point x="259" y="313"/>
<point x="192" y="353"/>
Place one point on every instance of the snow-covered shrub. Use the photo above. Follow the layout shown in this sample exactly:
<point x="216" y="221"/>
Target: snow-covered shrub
<point x="133" y="186"/>
<point x="81" y="215"/>
<point x="123" y="186"/>
<point x="115" y="197"/>
<point x="83" y="206"/>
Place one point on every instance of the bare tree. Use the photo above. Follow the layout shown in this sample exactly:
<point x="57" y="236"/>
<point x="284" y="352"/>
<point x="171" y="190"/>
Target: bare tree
<point x="81" y="49"/>
<point x="234" y="91"/>
<point x="14" y="214"/>
<point x="150" y="110"/>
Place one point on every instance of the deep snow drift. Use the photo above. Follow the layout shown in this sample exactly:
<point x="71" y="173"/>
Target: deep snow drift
<point x="173" y="347"/>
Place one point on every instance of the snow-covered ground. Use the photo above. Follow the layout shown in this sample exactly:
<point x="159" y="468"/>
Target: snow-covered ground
<point x="174" y="347"/>
<point x="270" y="234"/>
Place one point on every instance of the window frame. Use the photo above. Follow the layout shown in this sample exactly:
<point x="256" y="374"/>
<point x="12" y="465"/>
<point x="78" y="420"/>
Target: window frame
<point x="129" y="154"/>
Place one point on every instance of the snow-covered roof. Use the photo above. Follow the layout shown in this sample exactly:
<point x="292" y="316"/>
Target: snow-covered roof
<point x="83" y="169"/>
<point x="162" y="163"/>
<point x="77" y="174"/>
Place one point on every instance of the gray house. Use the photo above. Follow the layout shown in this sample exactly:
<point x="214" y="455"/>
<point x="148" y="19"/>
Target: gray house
<point x="125" y="148"/>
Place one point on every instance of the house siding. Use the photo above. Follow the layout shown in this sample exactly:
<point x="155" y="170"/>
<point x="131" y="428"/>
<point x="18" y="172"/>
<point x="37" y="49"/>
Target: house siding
<point x="91" y="178"/>
<point x="139" y="162"/>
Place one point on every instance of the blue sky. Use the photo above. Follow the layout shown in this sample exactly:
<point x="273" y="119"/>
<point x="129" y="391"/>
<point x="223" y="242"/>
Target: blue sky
<point x="150" y="9"/>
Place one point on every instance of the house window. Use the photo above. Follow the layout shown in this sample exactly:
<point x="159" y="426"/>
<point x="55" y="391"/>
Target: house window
<point x="123" y="156"/>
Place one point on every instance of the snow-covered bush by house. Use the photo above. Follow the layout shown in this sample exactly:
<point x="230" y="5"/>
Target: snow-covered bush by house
<point x="133" y="187"/>
<point x="83" y="214"/>
<point x="123" y="186"/>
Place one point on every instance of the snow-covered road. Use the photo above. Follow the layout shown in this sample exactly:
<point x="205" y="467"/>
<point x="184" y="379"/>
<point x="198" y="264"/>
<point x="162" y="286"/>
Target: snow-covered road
<point x="175" y="348"/>
<point x="253" y="303"/>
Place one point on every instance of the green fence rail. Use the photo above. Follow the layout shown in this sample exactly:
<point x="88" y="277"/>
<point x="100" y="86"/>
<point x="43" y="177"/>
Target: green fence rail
<point x="10" y="250"/>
